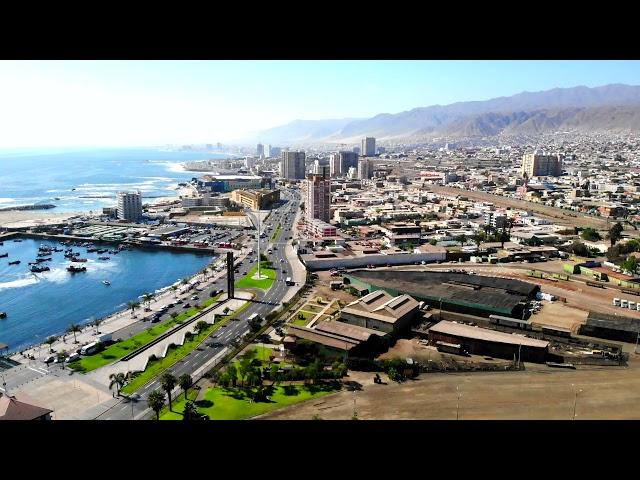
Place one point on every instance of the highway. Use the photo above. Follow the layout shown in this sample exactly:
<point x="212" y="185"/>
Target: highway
<point x="218" y="345"/>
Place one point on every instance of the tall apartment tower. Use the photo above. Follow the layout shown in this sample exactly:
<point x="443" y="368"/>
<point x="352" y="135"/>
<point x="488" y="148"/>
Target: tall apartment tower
<point x="130" y="206"/>
<point x="292" y="165"/>
<point x="348" y="160"/>
<point x="539" y="164"/>
<point x="368" y="147"/>
<point x="318" y="197"/>
<point x="335" y="167"/>
<point x="260" y="150"/>
<point x="320" y="168"/>
<point x="364" y="169"/>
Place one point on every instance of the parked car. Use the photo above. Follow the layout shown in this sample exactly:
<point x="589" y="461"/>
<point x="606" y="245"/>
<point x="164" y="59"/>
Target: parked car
<point x="73" y="357"/>
<point x="186" y="305"/>
<point x="179" y="301"/>
<point x="49" y="359"/>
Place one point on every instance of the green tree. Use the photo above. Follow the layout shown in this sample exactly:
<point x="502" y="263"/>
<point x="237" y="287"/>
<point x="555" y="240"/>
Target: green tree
<point x="132" y="305"/>
<point x="173" y="315"/>
<point x="50" y="341"/>
<point x="118" y="380"/>
<point x="244" y="366"/>
<point x="590" y="234"/>
<point x="503" y="237"/>
<point x="155" y="401"/>
<point x="147" y="297"/>
<point x="200" y="326"/>
<point x="61" y="356"/>
<point x="478" y="238"/>
<point x="630" y="264"/>
<point x="74" y="328"/>
<point x="96" y="324"/>
<point x="232" y="373"/>
<point x="273" y="374"/>
<point x="190" y="412"/>
<point x="185" y="381"/>
<point x="173" y="289"/>
<point x="168" y="382"/>
<point x="615" y="233"/>
<point x="462" y="239"/>
<point x="314" y="370"/>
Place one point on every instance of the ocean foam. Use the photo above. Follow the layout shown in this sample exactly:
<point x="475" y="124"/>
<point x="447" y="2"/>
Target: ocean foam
<point x="22" y="282"/>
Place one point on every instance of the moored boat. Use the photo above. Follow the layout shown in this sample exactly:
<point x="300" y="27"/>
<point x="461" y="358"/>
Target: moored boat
<point x="3" y="314"/>
<point x="106" y="282"/>
<point x="15" y="262"/>
<point x="37" y="269"/>
<point x="74" y="269"/>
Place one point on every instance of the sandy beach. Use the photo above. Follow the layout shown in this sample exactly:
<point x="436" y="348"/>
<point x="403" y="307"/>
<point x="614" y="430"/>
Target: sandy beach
<point x="15" y="218"/>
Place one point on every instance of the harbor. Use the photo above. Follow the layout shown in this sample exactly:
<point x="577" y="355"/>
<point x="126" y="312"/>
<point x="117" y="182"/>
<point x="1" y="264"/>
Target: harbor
<point x="67" y="285"/>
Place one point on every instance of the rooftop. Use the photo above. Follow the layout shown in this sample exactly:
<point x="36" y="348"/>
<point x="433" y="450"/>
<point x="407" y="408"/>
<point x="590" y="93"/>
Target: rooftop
<point x="477" y="333"/>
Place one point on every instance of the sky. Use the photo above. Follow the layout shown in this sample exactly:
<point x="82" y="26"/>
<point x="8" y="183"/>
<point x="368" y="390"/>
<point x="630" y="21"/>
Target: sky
<point x="149" y="103"/>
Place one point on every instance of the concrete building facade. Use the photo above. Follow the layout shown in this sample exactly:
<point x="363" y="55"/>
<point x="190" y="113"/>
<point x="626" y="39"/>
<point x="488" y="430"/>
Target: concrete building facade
<point x="318" y="198"/>
<point x="539" y="164"/>
<point x="292" y="165"/>
<point x="130" y="206"/>
<point x="368" y="147"/>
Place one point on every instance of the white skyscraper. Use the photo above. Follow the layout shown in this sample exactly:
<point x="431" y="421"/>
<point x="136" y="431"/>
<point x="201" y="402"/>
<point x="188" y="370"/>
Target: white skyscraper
<point x="130" y="206"/>
<point x="368" y="147"/>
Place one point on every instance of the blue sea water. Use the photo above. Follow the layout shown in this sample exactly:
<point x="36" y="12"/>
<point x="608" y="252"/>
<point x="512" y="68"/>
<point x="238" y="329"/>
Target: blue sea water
<point x="32" y="176"/>
<point x="43" y="304"/>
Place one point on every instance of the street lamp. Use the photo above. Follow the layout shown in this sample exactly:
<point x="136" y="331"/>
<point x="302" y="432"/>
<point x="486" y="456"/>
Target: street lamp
<point x="458" y="402"/>
<point x="637" y="338"/>
<point x="575" y="400"/>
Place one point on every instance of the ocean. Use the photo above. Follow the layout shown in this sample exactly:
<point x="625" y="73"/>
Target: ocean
<point x="39" y="305"/>
<point x="29" y="177"/>
<point x="43" y="304"/>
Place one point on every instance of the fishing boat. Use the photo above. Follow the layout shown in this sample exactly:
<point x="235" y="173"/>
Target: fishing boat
<point x="37" y="269"/>
<point x="91" y="250"/>
<point x="40" y="260"/>
<point x="17" y="240"/>
<point x="76" y="259"/>
<point x="74" y="269"/>
<point x="3" y="314"/>
<point x="104" y="258"/>
<point x="4" y="255"/>
<point x="15" y="262"/>
<point x="106" y="282"/>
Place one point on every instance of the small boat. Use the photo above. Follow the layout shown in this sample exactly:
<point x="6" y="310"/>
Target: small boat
<point x="57" y="198"/>
<point x="3" y="314"/>
<point x="17" y="240"/>
<point x="104" y="258"/>
<point x="76" y="259"/>
<point x="74" y="269"/>
<point x="37" y="269"/>
<point x="91" y="250"/>
<point x="561" y="365"/>
<point x="40" y="260"/>
<point x="4" y="255"/>
<point x="106" y="282"/>
<point x="73" y="189"/>
<point x="15" y="262"/>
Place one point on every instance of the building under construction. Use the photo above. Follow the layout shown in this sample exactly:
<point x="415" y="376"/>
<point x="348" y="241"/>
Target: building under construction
<point x="457" y="292"/>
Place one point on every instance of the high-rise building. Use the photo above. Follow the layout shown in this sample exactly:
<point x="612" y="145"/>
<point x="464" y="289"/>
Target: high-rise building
<point x="364" y="169"/>
<point x="348" y="160"/>
<point x="249" y="162"/>
<point x="271" y="151"/>
<point x="318" y="197"/>
<point x="321" y="168"/>
<point x="292" y="165"/>
<point x="368" y="147"/>
<point x="539" y="164"/>
<point x="335" y="167"/>
<point x="260" y="150"/>
<point x="130" y="206"/>
<point x="356" y="150"/>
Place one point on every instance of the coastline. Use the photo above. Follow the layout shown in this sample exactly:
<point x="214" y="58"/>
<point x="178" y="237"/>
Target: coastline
<point x="25" y="218"/>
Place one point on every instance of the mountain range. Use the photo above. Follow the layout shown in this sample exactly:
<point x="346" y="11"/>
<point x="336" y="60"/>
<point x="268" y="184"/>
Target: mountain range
<point x="611" y="108"/>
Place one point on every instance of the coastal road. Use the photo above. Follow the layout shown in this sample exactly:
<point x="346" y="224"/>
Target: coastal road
<point x="218" y="345"/>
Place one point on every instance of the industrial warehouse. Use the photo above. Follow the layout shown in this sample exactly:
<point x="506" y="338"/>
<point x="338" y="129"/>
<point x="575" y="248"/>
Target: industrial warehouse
<point x="456" y="292"/>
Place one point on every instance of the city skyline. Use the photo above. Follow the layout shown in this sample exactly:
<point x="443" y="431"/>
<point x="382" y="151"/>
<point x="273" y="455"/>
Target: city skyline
<point x="138" y="103"/>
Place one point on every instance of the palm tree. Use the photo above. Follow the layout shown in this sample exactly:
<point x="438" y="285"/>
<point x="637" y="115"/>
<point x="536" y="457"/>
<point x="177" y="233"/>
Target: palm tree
<point x="185" y="381"/>
<point x="147" y="297"/>
<point x="50" y="341"/>
<point x="174" y="288"/>
<point x="133" y="305"/>
<point x="462" y="239"/>
<point x="155" y="400"/>
<point x="190" y="411"/>
<point x="74" y="328"/>
<point x="478" y="237"/>
<point x="117" y="379"/>
<point x="168" y="383"/>
<point x="200" y="326"/>
<point x="96" y="323"/>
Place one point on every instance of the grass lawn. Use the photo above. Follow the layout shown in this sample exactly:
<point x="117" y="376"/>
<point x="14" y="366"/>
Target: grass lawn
<point x="248" y="282"/>
<point x="307" y="318"/>
<point x="120" y="349"/>
<point x="233" y="403"/>
<point x="277" y="233"/>
<point x="156" y="367"/>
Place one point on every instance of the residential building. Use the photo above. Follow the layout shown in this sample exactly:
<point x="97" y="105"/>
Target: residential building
<point x="318" y="198"/>
<point x="348" y="160"/>
<point x="260" y="150"/>
<point x="130" y="206"/>
<point x="320" y="168"/>
<point x="292" y="165"/>
<point x="335" y="165"/>
<point x="22" y="408"/>
<point x="364" y="169"/>
<point x="539" y="164"/>
<point x="321" y="229"/>
<point x="368" y="147"/>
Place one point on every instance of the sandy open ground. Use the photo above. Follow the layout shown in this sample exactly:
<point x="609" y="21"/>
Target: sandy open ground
<point x="540" y="392"/>
<point x="26" y="218"/>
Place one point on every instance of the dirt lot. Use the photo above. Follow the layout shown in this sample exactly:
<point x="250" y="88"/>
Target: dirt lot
<point x="537" y="393"/>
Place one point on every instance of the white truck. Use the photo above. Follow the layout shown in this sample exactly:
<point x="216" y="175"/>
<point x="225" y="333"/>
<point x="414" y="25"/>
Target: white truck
<point x="104" y="338"/>
<point x="90" y="348"/>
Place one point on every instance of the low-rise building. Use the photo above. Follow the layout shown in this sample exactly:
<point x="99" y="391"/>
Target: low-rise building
<point x="381" y="311"/>
<point x="256" y="199"/>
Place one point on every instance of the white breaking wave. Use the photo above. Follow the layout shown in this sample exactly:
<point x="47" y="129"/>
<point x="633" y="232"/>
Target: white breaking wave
<point x="22" y="282"/>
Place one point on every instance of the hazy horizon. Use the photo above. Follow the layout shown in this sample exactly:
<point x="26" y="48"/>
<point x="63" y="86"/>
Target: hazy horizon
<point x="142" y="104"/>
